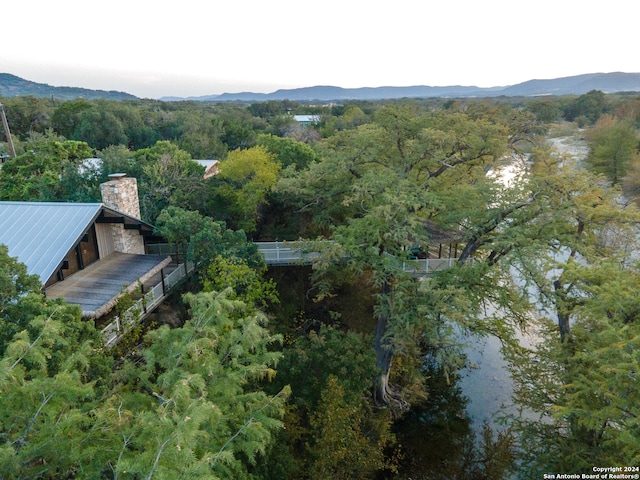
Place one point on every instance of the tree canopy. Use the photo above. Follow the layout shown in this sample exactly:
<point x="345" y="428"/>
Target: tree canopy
<point x="189" y="403"/>
<point x="527" y="239"/>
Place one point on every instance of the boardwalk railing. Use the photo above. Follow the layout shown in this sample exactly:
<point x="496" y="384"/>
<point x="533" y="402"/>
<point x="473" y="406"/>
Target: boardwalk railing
<point x="275" y="253"/>
<point x="145" y="305"/>
<point x="291" y="253"/>
<point x="285" y="253"/>
<point x="428" y="265"/>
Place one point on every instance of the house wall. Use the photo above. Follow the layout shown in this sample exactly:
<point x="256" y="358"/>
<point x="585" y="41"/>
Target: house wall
<point x="89" y="249"/>
<point x="121" y="194"/>
<point x="105" y="239"/>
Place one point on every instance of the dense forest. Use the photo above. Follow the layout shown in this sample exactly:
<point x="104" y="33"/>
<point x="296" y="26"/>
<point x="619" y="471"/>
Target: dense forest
<point x="323" y="371"/>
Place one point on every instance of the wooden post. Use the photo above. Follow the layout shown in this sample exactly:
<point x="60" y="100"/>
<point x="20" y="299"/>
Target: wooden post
<point x="80" y="258"/>
<point x="7" y="133"/>
<point x="144" y="300"/>
<point x="164" y="287"/>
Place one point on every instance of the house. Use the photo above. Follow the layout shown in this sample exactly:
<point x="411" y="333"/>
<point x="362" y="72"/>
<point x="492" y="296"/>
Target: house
<point x="210" y="167"/>
<point x="307" y="119"/>
<point x="86" y="253"/>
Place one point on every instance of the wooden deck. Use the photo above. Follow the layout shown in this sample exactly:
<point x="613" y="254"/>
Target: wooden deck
<point x="156" y="289"/>
<point x="96" y="287"/>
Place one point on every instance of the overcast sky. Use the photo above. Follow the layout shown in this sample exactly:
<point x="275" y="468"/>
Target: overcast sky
<point x="198" y="47"/>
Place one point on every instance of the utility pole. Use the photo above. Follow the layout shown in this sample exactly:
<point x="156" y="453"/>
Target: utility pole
<point x="7" y="132"/>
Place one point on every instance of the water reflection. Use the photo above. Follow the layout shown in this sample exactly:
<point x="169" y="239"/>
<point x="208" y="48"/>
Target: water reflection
<point x="440" y="443"/>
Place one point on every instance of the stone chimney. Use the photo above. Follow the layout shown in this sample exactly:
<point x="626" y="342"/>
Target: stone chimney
<point x="121" y="194"/>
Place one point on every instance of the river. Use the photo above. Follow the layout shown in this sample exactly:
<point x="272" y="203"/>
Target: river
<point x="486" y="381"/>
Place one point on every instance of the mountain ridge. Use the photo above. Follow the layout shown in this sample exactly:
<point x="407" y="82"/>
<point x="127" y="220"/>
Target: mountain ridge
<point x="14" y="86"/>
<point x="613" y="82"/>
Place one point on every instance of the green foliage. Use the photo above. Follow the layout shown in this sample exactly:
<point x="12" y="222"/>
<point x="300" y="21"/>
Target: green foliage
<point x="580" y="221"/>
<point x="15" y="283"/>
<point x="332" y="430"/>
<point x="613" y="146"/>
<point x="204" y="401"/>
<point x="27" y="115"/>
<point x="246" y="282"/>
<point x="178" y="225"/>
<point x="345" y="446"/>
<point x="310" y="362"/>
<point x="216" y="239"/>
<point x="119" y="159"/>
<point x="583" y="392"/>
<point x="390" y="185"/>
<point x="201" y="415"/>
<point x="547" y="110"/>
<point x="200" y="135"/>
<point x="204" y="241"/>
<point x="51" y="375"/>
<point x="288" y="151"/>
<point x="50" y="170"/>
<point x="66" y="117"/>
<point x="590" y="106"/>
<point x="110" y="123"/>
<point x="270" y="109"/>
<point x="169" y="177"/>
<point x="575" y="378"/>
<point x="188" y="405"/>
<point x="100" y="128"/>
<point x="242" y="187"/>
<point x="237" y="133"/>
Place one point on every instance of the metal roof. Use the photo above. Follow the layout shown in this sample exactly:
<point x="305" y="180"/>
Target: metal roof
<point x="41" y="234"/>
<point x="307" y="118"/>
<point x="206" y="163"/>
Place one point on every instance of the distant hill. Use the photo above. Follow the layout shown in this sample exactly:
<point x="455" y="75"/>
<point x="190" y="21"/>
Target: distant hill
<point x="575" y="85"/>
<point x="12" y="86"/>
<point x="330" y="93"/>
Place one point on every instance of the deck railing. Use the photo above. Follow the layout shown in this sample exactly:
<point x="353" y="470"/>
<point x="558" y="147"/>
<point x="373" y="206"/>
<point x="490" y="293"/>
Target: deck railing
<point x="144" y="305"/>
<point x="161" y="249"/>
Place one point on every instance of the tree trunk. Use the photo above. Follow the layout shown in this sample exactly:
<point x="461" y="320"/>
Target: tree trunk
<point x="563" y="318"/>
<point x="384" y="355"/>
<point x="384" y="394"/>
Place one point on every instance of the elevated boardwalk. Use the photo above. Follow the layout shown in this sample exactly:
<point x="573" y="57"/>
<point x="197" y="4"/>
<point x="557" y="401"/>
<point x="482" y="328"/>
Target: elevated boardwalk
<point x="291" y="254"/>
<point x="156" y="289"/>
<point x="285" y="254"/>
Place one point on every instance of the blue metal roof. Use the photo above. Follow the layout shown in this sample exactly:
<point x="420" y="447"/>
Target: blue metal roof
<point x="41" y="234"/>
